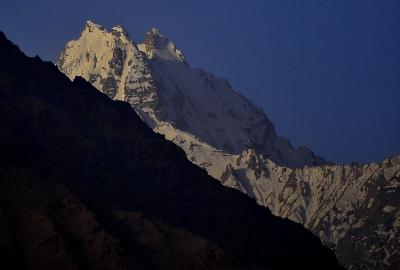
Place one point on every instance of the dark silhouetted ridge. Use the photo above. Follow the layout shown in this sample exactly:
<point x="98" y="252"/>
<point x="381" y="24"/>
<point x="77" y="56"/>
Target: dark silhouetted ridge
<point x="85" y="184"/>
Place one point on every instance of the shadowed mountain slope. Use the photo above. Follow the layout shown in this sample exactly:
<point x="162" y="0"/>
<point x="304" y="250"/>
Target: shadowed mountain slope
<point x="85" y="184"/>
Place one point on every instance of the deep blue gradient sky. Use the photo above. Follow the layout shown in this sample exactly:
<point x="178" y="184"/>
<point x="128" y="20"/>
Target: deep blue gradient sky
<point x="327" y="73"/>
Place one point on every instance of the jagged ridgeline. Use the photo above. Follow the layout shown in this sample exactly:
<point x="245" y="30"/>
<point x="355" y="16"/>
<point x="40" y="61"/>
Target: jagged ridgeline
<point x="86" y="184"/>
<point x="353" y="209"/>
<point x="156" y="80"/>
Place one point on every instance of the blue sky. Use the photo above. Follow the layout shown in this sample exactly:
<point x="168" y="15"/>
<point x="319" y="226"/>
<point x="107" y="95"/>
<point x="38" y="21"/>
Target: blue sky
<point x="327" y="73"/>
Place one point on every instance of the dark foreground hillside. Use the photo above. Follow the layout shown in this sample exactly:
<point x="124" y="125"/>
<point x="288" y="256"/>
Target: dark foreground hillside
<point x="85" y="184"/>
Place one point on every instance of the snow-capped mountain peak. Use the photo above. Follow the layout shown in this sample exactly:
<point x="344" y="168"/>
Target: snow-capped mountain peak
<point x="156" y="45"/>
<point x="156" y="80"/>
<point x="156" y="32"/>
<point x="119" y="30"/>
<point x="92" y="26"/>
<point x="225" y="133"/>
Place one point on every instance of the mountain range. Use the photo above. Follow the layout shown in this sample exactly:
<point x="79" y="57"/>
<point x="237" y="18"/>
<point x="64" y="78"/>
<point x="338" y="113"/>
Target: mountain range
<point x="354" y="209"/>
<point x="156" y="80"/>
<point x="86" y="184"/>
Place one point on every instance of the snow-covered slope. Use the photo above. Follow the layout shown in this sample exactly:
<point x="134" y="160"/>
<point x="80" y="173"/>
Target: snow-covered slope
<point x="156" y="80"/>
<point x="354" y="209"/>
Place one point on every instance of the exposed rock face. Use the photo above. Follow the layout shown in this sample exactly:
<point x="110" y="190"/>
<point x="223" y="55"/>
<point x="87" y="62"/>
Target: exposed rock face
<point x="86" y="184"/>
<point x="217" y="128"/>
<point x="354" y="209"/>
<point x="156" y="46"/>
<point x="156" y="80"/>
<point x="113" y="63"/>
